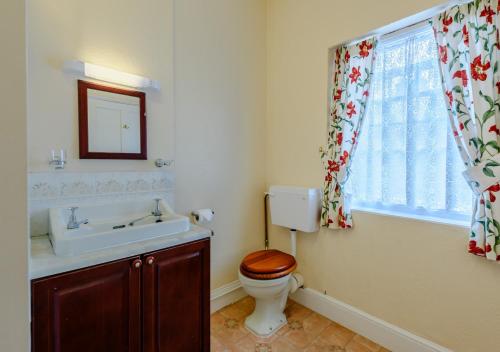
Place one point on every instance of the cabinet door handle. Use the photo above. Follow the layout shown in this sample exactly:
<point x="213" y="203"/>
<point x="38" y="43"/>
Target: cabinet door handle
<point x="136" y="264"/>
<point x="150" y="260"/>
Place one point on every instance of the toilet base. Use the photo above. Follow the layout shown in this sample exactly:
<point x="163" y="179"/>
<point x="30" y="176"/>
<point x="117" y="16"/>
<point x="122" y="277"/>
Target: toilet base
<point x="270" y="301"/>
<point x="268" y="316"/>
<point x="254" y="324"/>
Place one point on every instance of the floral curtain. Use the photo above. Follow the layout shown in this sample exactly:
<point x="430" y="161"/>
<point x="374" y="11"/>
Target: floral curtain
<point x="468" y="45"/>
<point x="352" y="73"/>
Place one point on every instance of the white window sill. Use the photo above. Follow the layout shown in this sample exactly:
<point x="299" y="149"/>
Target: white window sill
<point x="392" y="213"/>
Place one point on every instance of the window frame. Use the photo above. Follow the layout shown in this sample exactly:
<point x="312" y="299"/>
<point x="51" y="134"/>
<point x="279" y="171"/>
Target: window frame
<point x="418" y="213"/>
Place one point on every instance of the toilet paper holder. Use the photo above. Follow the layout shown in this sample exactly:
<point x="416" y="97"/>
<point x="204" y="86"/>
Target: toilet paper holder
<point x="196" y="215"/>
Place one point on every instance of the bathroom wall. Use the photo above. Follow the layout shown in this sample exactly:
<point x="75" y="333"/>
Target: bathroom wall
<point x="133" y="36"/>
<point x="414" y="274"/>
<point x="14" y="306"/>
<point x="128" y="35"/>
<point x="215" y="134"/>
<point x="220" y="98"/>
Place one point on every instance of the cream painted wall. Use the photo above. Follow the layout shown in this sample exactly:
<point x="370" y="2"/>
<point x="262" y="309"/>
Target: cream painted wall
<point x="128" y="35"/>
<point x="216" y="134"/>
<point x="414" y="274"/>
<point x="220" y="96"/>
<point x="14" y="308"/>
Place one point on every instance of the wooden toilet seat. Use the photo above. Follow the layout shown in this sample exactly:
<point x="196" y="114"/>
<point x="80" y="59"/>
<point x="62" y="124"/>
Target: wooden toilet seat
<point x="267" y="264"/>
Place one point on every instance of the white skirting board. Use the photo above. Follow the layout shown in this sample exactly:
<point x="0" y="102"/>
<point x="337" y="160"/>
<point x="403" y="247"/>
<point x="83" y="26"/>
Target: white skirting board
<point x="382" y="332"/>
<point x="225" y="295"/>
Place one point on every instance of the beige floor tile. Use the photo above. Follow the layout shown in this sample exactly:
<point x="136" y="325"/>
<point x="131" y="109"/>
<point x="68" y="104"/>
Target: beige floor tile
<point x="229" y="330"/>
<point x="251" y="343"/>
<point x="247" y="344"/>
<point x="282" y="345"/>
<point x="296" y="311"/>
<point x="320" y="345"/>
<point x="316" y="323"/>
<point x="336" y="335"/>
<point x="372" y="346"/>
<point x="216" y="345"/>
<point x="292" y="324"/>
<point x="289" y="302"/>
<point x="355" y="346"/>
<point x="216" y="322"/>
<point x="235" y="311"/>
<point x="306" y="331"/>
<point x="247" y="305"/>
<point x="265" y="340"/>
<point x="295" y="314"/>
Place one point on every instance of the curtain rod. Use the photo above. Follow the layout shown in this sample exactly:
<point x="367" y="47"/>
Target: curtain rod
<point x="411" y="21"/>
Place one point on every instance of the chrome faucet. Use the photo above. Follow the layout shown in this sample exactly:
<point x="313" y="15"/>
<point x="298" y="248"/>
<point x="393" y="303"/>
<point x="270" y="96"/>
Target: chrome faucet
<point x="156" y="213"/>
<point x="73" y="223"/>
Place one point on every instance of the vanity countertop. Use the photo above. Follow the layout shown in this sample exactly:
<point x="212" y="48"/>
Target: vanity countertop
<point x="44" y="262"/>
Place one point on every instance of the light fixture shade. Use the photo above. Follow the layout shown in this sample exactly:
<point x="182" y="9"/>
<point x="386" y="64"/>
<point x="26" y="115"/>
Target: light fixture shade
<point x="110" y="75"/>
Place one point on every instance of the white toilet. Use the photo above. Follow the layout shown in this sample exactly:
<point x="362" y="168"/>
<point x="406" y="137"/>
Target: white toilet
<point x="267" y="275"/>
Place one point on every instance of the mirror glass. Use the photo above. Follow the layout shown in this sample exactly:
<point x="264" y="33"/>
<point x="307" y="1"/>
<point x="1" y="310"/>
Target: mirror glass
<point x="112" y="122"/>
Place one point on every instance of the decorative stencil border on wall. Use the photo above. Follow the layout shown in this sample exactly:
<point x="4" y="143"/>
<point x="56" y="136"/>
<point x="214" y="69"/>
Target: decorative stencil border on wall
<point x="59" y="189"/>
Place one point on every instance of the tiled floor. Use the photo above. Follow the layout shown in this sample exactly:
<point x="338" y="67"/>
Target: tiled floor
<point x="305" y="331"/>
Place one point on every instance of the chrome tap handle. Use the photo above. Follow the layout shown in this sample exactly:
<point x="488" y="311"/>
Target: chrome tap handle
<point x="72" y="222"/>
<point x="157" y="211"/>
<point x="72" y="216"/>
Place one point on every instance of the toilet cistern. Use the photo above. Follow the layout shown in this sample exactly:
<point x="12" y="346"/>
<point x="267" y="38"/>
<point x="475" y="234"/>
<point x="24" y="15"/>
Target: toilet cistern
<point x="296" y="208"/>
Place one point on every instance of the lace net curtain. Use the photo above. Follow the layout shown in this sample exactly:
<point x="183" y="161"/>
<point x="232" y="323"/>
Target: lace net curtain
<point x="407" y="159"/>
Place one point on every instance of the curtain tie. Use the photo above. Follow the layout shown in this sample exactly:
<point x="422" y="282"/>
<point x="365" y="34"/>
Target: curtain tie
<point x="482" y="176"/>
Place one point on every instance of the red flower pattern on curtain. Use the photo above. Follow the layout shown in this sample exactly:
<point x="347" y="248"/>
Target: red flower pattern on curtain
<point x="467" y="37"/>
<point x="352" y="73"/>
<point x="364" y="48"/>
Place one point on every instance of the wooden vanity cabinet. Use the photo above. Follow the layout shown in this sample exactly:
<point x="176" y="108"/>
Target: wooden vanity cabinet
<point x="92" y="309"/>
<point x="156" y="302"/>
<point x="176" y="299"/>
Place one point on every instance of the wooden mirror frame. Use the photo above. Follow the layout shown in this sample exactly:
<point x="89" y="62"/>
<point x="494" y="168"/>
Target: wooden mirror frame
<point x="83" y="86"/>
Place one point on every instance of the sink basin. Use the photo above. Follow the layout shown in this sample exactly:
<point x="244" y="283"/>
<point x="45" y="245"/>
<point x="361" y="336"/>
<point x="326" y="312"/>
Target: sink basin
<point x="109" y="226"/>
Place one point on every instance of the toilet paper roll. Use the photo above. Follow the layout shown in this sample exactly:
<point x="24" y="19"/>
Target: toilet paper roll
<point x="203" y="216"/>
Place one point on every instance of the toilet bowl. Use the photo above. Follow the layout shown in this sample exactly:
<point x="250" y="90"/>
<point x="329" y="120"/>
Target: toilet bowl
<point x="267" y="276"/>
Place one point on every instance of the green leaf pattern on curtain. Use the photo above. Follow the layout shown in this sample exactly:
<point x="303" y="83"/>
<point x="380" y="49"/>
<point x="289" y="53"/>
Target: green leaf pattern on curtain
<point x="468" y="45"/>
<point x="352" y="73"/>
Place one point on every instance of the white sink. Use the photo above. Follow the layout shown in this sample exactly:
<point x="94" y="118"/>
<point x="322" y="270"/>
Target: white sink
<point x="109" y="226"/>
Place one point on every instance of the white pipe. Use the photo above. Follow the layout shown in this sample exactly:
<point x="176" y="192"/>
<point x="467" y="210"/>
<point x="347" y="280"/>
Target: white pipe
<point x="293" y="242"/>
<point x="296" y="281"/>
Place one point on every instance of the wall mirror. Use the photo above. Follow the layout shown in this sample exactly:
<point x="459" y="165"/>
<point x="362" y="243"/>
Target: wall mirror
<point x="112" y="122"/>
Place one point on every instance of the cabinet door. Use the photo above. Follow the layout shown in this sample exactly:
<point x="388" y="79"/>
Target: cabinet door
<point x="95" y="309"/>
<point x="176" y="300"/>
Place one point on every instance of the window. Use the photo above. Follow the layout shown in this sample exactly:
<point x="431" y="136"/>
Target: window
<point x="407" y="160"/>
